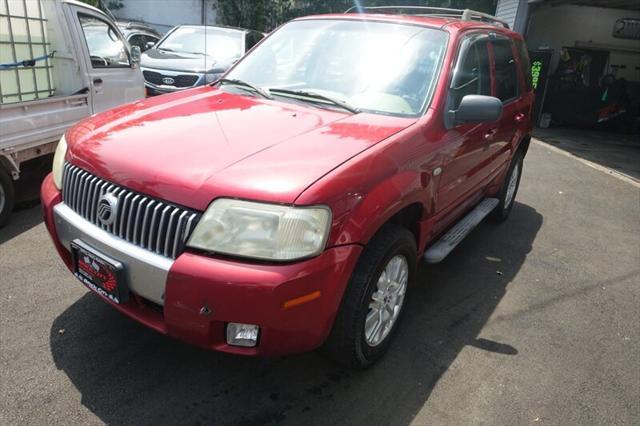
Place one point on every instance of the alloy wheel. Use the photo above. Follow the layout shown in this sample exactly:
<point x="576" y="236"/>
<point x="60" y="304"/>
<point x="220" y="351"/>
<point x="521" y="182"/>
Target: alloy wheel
<point x="511" y="186"/>
<point x="386" y="301"/>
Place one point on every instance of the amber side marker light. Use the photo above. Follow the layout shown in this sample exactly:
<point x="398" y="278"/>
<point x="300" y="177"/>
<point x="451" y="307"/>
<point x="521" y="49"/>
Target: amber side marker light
<point x="300" y="300"/>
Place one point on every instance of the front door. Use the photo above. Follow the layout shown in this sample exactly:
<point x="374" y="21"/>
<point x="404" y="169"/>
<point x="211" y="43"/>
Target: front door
<point x="113" y="78"/>
<point x="464" y="171"/>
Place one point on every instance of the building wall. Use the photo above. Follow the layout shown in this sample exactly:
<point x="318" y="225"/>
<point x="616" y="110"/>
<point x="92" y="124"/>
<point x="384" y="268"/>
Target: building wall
<point x="560" y="26"/>
<point x="507" y="11"/>
<point x="165" y="14"/>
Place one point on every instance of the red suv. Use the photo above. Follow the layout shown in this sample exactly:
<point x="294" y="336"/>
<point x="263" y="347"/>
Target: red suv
<point x="285" y="207"/>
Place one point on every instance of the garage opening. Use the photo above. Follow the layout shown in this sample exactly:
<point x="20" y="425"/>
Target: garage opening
<point x="585" y="58"/>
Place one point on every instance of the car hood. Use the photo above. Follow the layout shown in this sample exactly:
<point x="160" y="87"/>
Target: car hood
<point x="177" y="61"/>
<point x="194" y="146"/>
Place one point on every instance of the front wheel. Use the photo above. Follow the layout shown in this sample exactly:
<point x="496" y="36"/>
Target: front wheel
<point x="374" y="299"/>
<point x="6" y="197"/>
<point x="507" y="194"/>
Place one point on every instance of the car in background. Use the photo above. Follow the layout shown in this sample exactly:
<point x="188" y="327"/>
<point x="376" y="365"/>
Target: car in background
<point x="139" y="34"/>
<point x="194" y="55"/>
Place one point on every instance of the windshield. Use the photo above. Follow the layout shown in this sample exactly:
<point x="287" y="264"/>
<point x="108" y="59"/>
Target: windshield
<point x="372" y="66"/>
<point x="221" y="43"/>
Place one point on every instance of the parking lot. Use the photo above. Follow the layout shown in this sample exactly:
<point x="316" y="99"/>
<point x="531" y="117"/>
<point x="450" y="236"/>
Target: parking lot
<point x="531" y="321"/>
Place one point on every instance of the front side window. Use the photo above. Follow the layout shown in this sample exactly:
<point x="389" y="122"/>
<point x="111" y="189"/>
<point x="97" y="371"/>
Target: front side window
<point x="219" y="43"/>
<point x="376" y="67"/>
<point x="473" y="74"/>
<point x="106" y="48"/>
<point x="506" y="70"/>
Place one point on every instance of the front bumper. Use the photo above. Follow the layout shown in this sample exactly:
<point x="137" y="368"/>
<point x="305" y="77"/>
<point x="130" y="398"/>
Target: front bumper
<point x="169" y="296"/>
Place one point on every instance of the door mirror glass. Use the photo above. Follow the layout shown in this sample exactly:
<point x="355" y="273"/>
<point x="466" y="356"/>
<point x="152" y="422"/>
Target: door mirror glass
<point x="135" y="54"/>
<point x="478" y="109"/>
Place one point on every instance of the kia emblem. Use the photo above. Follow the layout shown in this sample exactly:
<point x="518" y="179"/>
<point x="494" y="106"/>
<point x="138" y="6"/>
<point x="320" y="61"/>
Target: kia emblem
<point x="107" y="209"/>
<point x="168" y="80"/>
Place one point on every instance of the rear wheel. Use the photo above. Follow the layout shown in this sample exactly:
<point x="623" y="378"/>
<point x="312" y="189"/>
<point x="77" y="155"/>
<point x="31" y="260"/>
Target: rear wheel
<point x="373" y="302"/>
<point x="507" y="194"/>
<point x="6" y="197"/>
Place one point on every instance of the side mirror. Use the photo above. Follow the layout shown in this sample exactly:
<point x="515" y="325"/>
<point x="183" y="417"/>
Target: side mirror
<point x="478" y="109"/>
<point x="135" y="54"/>
<point x="149" y="45"/>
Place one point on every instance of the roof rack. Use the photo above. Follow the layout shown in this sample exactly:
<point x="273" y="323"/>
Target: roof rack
<point x="443" y="12"/>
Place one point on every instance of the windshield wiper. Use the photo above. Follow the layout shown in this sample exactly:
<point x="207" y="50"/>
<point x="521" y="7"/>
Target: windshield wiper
<point x="242" y="83"/>
<point x="165" y="49"/>
<point x="318" y="97"/>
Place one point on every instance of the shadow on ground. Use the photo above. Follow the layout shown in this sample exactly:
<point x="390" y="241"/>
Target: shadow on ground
<point x="129" y="374"/>
<point x="619" y="152"/>
<point x="27" y="212"/>
<point x="25" y="216"/>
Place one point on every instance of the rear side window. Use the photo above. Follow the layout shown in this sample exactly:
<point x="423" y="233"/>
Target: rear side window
<point x="525" y="61"/>
<point x="506" y="70"/>
<point x="472" y="75"/>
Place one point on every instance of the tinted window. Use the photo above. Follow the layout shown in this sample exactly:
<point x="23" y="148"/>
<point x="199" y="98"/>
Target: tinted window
<point x="506" y="70"/>
<point x="524" y="60"/>
<point x="106" y="49"/>
<point x="472" y="75"/>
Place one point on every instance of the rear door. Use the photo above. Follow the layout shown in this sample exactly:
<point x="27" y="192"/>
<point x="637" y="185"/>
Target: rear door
<point x="509" y="88"/>
<point x="113" y="78"/>
<point x="467" y="149"/>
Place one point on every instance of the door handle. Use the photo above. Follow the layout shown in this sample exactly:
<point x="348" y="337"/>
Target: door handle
<point x="520" y="117"/>
<point x="490" y="134"/>
<point x="97" y="80"/>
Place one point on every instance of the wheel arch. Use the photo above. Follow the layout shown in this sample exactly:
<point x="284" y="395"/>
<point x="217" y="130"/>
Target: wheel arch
<point x="523" y="145"/>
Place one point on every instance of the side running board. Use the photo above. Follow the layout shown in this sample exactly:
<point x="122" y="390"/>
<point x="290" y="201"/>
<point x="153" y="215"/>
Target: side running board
<point x="441" y="248"/>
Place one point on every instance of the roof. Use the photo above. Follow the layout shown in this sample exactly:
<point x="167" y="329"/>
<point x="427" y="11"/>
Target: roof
<point x="82" y="4"/>
<point x="440" y="22"/>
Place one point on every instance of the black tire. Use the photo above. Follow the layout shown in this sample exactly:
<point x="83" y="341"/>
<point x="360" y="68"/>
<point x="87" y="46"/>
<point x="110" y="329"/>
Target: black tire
<point x="504" y="207"/>
<point x="7" y="197"/>
<point x="347" y="344"/>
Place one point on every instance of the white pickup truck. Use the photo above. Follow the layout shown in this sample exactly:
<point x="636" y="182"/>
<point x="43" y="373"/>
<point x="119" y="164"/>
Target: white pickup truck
<point x="60" y="61"/>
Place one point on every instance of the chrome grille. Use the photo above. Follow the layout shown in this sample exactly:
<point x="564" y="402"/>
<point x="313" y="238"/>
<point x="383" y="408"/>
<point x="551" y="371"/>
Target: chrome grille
<point x="144" y="221"/>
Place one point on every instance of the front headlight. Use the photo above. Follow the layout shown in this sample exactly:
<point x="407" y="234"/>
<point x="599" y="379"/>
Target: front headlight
<point x="210" y="77"/>
<point x="262" y="231"/>
<point x="58" y="162"/>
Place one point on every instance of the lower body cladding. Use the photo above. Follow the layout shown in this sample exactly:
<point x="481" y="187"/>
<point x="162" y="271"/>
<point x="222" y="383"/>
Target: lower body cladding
<point x="194" y="298"/>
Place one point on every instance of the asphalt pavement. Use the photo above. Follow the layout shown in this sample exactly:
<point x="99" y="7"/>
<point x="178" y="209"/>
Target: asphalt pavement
<point x="536" y="320"/>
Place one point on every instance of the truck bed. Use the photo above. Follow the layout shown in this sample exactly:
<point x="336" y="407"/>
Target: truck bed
<point x="31" y="128"/>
